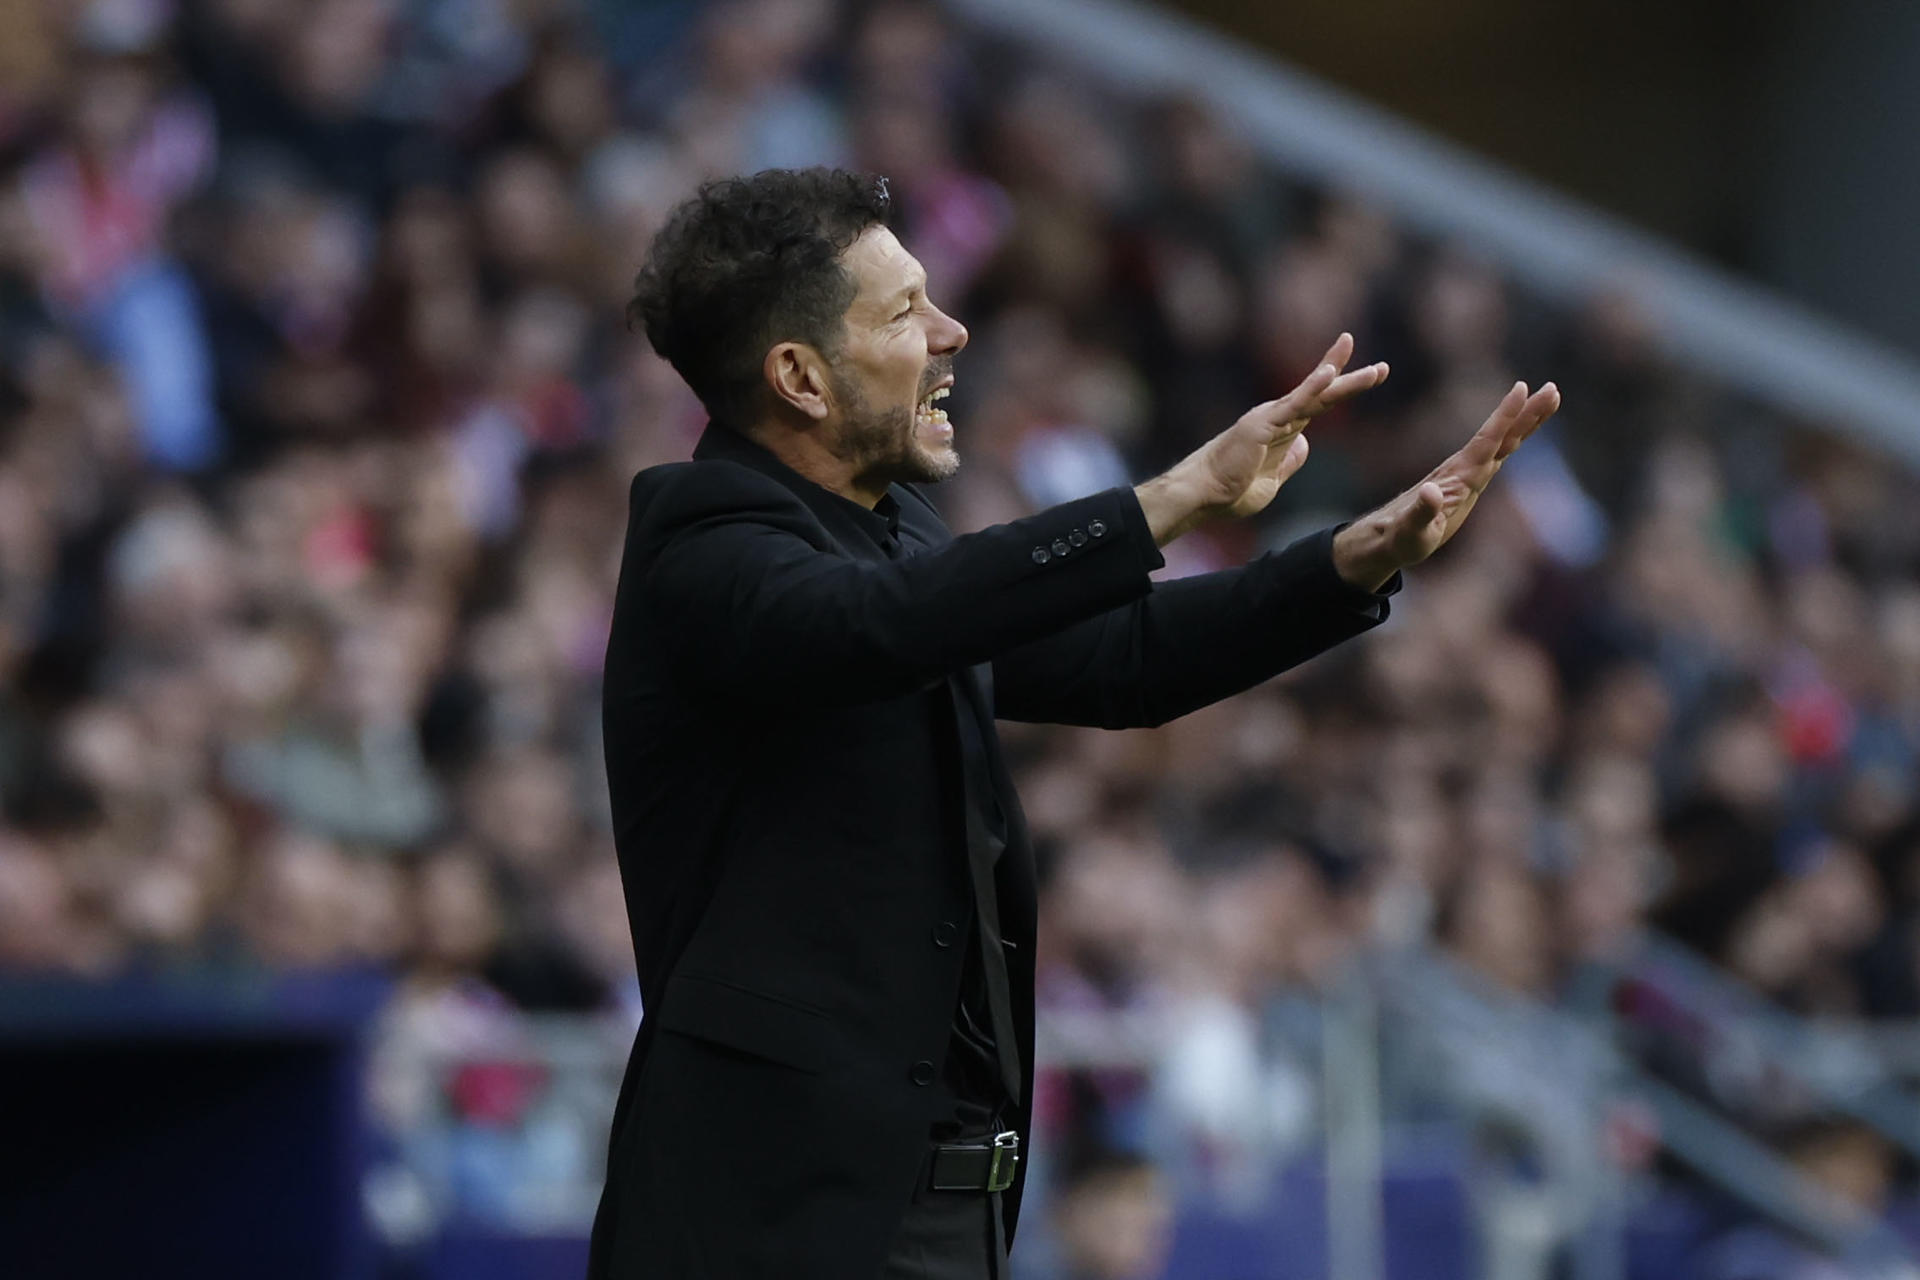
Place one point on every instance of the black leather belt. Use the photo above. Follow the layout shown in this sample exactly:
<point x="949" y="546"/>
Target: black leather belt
<point x="977" y="1166"/>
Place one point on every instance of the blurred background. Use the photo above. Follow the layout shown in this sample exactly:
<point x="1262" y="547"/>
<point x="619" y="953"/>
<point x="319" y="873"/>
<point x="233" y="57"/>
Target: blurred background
<point x="1566" y="928"/>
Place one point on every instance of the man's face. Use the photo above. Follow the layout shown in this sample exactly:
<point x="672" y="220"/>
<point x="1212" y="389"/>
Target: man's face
<point x="893" y="369"/>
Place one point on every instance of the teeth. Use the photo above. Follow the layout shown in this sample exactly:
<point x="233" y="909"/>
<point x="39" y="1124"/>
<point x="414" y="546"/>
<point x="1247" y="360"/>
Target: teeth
<point x="927" y="409"/>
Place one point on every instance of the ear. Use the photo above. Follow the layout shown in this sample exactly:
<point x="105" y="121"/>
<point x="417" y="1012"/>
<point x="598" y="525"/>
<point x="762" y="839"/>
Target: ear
<point x="798" y="378"/>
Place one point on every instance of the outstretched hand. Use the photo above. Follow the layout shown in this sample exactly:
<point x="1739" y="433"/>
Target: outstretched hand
<point x="1238" y="471"/>
<point x="1245" y="465"/>
<point x="1420" y="521"/>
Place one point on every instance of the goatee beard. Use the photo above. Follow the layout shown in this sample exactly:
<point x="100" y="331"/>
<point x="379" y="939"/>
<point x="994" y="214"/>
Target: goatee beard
<point x="884" y="446"/>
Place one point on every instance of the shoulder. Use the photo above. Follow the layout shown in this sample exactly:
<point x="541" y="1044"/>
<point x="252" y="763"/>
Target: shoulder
<point x="700" y="480"/>
<point x="710" y="507"/>
<point x="678" y="493"/>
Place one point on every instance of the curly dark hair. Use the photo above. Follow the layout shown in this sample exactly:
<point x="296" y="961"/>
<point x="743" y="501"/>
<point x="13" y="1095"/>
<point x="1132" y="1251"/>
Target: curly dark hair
<point x="748" y="262"/>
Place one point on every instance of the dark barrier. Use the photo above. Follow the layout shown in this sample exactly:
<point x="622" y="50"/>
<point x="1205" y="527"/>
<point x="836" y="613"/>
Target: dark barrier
<point x="204" y="1128"/>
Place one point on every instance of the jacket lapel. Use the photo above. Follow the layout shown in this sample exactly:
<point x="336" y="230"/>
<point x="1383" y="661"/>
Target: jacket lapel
<point x="1000" y="870"/>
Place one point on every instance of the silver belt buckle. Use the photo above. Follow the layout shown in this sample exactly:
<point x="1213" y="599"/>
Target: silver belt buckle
<point x="1004" y="1161"/>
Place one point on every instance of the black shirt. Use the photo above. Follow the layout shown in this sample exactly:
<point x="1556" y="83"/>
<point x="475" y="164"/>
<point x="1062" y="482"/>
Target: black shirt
<point x="971" y="1076"/>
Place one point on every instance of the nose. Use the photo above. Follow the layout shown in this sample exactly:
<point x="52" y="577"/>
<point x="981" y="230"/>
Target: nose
<point x="946" y="335"/>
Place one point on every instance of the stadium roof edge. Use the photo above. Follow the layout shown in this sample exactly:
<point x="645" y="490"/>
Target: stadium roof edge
<point x="1751" y="337"/>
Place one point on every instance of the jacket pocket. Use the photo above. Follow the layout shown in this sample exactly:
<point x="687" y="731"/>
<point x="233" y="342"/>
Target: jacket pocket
<point x="763" y="1025"/>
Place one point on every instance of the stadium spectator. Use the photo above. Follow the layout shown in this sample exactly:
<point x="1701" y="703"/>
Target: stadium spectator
<point x="317" y="414"/>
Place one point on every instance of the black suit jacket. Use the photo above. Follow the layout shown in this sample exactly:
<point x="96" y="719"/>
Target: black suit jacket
<point x="787" y="808"/>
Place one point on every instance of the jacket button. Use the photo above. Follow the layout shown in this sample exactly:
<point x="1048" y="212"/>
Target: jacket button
<point x="922" y="1073"/>
<point x="1097" y="528"/>
<point x="944" y="933"/>
<point x="1078" y="537"/>
<point x="1041" y="555"/>
<point x="1060" y="546"/>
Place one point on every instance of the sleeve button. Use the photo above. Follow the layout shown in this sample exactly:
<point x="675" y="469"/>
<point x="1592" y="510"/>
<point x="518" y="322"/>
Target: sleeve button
<point x="1098" y="528"/>
<point x="1041" y="555"/>
<point x="1078" y="537"/>
<point x="1060" y="546"/>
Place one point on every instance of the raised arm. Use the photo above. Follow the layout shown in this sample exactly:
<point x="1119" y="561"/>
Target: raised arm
<point x="745" y="596"/>
<point x="1189" y="643"/>
<point x="1193" y="642"/>
<point x="738" y="587"/>
<point x="1238" y="471"/>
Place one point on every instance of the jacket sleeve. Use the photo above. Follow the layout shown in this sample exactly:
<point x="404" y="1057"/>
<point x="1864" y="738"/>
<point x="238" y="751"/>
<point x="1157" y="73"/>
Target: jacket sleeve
<point x="1189" y="643"/>
<point x="744" y="598"/>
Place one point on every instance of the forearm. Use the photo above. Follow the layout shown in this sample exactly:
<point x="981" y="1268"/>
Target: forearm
<point x="1189" y="644"/>
<point x="759" y="609"/>
<point x="1363" y="553"/>
<point x="1174" y="504"/>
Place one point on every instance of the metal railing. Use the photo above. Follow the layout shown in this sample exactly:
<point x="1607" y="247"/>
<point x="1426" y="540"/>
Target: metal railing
<point x="1415" y="1022"/>
<point x="1554" y="1075"/>
<point x="1840" y="1066"/>
<point x="1707" y="319"/>
<point x="1393" y="1025"/>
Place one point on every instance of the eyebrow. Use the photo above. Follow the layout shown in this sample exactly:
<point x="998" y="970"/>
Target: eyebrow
<point x="907" y="292"/>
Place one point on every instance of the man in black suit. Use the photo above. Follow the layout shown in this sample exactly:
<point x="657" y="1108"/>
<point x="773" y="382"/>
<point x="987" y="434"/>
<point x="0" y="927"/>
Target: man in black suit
<point x="830" y="884"/>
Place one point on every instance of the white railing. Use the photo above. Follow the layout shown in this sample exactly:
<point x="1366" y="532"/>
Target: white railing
<point x="1707" y="319"/>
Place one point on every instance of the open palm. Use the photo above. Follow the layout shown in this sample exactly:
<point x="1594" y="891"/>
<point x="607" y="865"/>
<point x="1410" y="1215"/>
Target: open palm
<point x="1248" y="462"/>
<point x="1421" y="521"/>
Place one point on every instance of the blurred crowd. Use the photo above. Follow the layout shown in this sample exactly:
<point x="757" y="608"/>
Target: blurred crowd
<point x="316" y="420"/>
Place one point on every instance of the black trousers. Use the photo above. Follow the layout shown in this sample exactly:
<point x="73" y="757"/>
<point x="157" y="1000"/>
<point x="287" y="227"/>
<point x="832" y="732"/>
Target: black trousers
<point x="948" y="1235"/>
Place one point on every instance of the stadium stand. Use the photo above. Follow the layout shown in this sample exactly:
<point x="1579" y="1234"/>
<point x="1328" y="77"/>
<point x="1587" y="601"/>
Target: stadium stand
<point x="316" y="420"/>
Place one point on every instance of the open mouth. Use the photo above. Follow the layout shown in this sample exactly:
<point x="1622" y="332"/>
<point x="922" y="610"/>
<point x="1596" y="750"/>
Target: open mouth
<point x="929" y="413"/>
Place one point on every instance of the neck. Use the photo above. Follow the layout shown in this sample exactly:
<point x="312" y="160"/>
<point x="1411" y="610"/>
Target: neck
<point x="810" y="454"/>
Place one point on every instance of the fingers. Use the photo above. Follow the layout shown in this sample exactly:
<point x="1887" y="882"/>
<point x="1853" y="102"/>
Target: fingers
<point x="1426" y="504"/>
<point x="1340" y="352"/>
<point x="1540" y="406"/>
<point x="1517" y="416"/>
<point x="1429" y="501"/>
<point x="1415" y="522"/>
<point x="1283" y="460"/>
<point x="1325" y="387"/>
<point x="1298" y="402"/>
<point x="1485" y="445"/>
<point x="1316" y="396"/>
<point x="1350" y="384"/>
<point x="1427" y="516"/>
<point x="1292" y="460"/>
